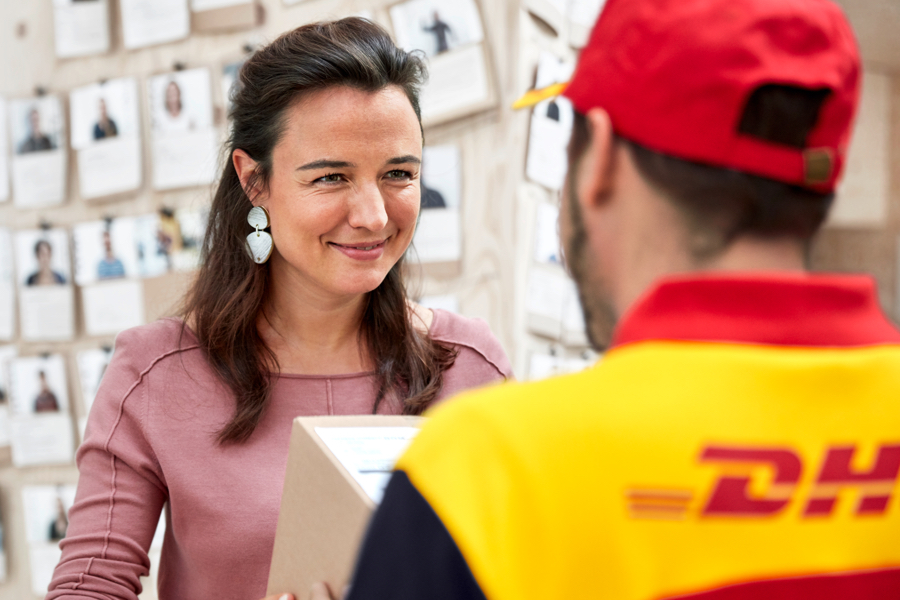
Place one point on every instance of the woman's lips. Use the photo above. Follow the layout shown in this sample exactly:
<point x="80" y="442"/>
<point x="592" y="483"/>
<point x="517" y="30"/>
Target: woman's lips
<point x="362" y="251"/>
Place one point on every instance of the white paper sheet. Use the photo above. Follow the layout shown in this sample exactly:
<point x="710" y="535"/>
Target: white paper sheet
<point x="7" y="354"/>
<point x="38" y="385"/>
<point x="4" y="152"/>
<point x="435" y="26"/>
<point x="47" y="313"/>
<point x="551" y="127"/>
<point x="448" y="302"/>
<point x="42" y="440"/>
<point x="368" y="453"/>
<point x="46" y="520"/>
<point x="545" y="300"/>
<point x="81" y="27"/>
<point x="441" y="177"/>
<point x="7" y="287"/>
<point x="457" y="81"/>
<point x="438" y="236"/>
<point x="201" y="5"/>
<point x="113" y="306"/>
<point x="185" y="143"/>
<point x="91" y="367"/>
<point x="546" y="234"/>
<point x="105" y="121"/>
<point x="37" y="127"/>
<point x="149" y="22"/>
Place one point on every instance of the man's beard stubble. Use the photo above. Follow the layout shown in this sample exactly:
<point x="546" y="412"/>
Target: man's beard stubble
<point x="596" y="301"/>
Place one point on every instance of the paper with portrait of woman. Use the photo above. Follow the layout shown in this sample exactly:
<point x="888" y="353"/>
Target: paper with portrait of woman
<point x="80" y="27"/>
<point x="46" y="523"/>
<point x="37" y="129"/>
<point x="7" y="287"/>
<point x="40" y="421"/>
<point x="185" y="142"/>
<point x="452" y="37"/>
<point x="151" y="22"/>
<point x="106" y="137"/>
<point x="438" y="235"/>
<point x="7" y="354"/>
<point x="44" y="278"/>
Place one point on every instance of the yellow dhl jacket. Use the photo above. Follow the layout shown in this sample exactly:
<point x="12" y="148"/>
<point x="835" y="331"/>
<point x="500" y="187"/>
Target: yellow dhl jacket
<point x="740" y="440"/>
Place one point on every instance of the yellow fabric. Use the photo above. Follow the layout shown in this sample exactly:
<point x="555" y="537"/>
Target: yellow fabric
<point x="533" y="480"/>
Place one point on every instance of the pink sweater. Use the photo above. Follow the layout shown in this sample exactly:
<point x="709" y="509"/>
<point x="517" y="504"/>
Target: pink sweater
<point x="150" y="443"/>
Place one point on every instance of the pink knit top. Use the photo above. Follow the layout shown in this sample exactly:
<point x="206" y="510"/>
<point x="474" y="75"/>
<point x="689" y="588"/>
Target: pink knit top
<point x="150" y="444"/>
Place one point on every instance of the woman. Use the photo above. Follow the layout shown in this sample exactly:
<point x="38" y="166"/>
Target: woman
<point x="196" y="414"/>
<point x="45" y="275"/>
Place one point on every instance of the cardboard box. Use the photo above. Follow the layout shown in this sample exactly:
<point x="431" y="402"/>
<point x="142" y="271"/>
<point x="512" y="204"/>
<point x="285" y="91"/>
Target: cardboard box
<point x="336" y="467"/>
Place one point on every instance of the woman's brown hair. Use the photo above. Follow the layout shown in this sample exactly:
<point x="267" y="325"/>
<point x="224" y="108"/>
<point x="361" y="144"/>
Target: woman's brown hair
<point x="229" y="293"/>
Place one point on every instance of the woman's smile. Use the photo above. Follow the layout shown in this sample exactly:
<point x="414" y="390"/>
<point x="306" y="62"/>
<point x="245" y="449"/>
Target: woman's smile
<point x="372" y="250"/>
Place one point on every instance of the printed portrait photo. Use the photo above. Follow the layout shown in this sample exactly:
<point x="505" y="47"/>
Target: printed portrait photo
<point x="436" y="27"/>
<point x="104" y="111"/>
<point x="105" y="250"/>
<point x="46" y="512"/>
<point x="440" y="182"/>
<point x="38" y="385"/>
<point x="36" y="124"/>
<point x="181" y="101"/>
<point x="42" y="257"/>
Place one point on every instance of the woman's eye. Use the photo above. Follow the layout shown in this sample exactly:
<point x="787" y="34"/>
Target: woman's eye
<point x="399" y="174"/>
<point x="330" y="178"/>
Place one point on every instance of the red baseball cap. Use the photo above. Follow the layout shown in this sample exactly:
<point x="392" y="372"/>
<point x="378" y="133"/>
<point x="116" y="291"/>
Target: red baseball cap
<point x="675" y="76"/>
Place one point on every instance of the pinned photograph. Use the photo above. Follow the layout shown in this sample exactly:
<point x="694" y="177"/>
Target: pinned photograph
<point x="7" y="354"/>
<point x="37" y="129"/>
<point x="151" y="22"/>
<point x="155" y="241"/>
<point x="551" y="126"/>
<point x="105" y="121"/>
<point x="188" y="225"/>
<point x="81" y="27"/>
<point x="46" y="523"/>
<point x="546" y="234"/>
<point x="38" y="385"/>
<point x="105" y="250"/>
<point x="184" y="139"/>
<point x="40" y="422"/>
<point x="230" y="82"/>
<point x="438" y="235"/>
<point x="4" y="153"/>
<point x="452" y="37"/>
<point x="43" y="273"/>
<point x="7" y="287"/>
<point x="91" y="367"/>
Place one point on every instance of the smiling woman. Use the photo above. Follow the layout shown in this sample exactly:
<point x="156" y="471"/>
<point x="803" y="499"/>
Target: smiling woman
<point x="194" y="414"/>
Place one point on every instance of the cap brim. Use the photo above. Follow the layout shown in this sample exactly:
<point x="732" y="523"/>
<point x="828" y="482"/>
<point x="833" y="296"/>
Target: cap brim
<point x="532" y="97"/>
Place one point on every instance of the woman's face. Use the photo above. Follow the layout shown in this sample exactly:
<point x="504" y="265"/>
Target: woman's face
<point x="343" y="196"/>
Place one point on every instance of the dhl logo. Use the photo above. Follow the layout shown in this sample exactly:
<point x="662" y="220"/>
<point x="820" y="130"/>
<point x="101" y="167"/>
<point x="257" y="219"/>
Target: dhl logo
<point x="733" y="493"/>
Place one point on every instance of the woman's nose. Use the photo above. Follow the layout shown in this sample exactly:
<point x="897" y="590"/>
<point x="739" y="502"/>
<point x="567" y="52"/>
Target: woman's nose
<point x="367" y="209"/>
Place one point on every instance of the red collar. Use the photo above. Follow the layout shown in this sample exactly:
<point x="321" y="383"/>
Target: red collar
<point x="761" y="308"/>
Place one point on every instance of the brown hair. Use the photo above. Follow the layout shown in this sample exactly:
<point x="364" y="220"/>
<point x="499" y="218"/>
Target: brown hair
<point x="719" y="205"/>
<point x="229" y="293"/>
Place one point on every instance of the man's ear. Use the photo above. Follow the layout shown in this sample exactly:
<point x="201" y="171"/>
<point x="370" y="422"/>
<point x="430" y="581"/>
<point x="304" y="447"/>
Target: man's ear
<point x="597" y="162"/>
<point x="246" y="167"/>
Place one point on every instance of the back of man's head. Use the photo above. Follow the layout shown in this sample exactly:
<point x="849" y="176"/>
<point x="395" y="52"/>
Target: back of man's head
<point x="737" y="111"/>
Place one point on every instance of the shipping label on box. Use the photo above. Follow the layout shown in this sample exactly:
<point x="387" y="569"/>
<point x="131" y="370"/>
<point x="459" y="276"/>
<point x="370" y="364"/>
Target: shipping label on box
<point x="336" y="472"/>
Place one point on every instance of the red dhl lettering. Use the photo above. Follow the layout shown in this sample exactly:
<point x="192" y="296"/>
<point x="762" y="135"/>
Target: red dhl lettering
<point x="731" y="495"/>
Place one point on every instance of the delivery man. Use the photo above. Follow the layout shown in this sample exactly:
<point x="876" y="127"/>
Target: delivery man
<point x="741" y="437"/>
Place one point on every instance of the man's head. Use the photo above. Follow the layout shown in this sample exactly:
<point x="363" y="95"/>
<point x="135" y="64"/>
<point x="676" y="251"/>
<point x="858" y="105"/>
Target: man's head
<point x="723" y="124"/>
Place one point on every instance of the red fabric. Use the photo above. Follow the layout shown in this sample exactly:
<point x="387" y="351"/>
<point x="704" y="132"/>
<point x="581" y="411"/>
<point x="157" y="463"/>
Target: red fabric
<point x="769" y="309"/>
<point x="675" y="76"/>
<point x="884" y="584"/>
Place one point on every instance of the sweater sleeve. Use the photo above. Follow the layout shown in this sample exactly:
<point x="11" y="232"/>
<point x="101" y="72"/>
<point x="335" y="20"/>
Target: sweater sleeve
<point x="121" y="489"/>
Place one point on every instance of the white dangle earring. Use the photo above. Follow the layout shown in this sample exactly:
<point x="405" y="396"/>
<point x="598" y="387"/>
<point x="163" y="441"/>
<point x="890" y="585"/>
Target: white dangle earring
<point x="259" y="243"/>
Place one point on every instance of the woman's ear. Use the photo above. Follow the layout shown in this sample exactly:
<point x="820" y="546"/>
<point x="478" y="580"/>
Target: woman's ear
<point x="245" y="168"/>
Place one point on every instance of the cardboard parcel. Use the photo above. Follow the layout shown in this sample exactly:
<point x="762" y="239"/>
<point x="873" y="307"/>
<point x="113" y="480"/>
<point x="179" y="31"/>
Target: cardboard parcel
<point x="336" y="472"/>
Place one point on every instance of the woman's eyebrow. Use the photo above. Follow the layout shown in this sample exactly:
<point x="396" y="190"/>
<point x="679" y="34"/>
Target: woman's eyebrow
<point x="402" y="160"/>
<point x="326" y="164"/>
